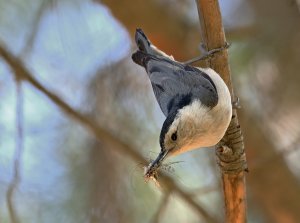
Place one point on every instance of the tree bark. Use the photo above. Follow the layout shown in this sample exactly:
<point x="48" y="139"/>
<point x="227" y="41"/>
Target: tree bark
<point x="230" y="152"/>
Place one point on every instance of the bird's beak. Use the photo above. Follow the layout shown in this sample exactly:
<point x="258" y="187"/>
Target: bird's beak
<point x="161" y="156"/>
<point x="153" y="166"/>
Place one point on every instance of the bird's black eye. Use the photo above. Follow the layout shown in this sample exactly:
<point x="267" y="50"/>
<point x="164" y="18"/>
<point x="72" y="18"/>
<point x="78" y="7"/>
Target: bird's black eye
<point x="174" y="136"/>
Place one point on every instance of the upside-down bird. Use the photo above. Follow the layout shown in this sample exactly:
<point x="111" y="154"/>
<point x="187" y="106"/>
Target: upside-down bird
<point x="196" y="102"/>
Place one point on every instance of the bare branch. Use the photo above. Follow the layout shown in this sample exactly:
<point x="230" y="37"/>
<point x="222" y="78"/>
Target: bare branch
<point x="19" y="121"/>
<point x="18" y="155"/>
<point x="22" y="72"/>
<point x="230" y="151"/>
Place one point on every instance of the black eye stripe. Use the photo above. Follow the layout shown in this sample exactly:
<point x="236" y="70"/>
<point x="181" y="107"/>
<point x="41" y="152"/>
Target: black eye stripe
<point x="174" y="136"/>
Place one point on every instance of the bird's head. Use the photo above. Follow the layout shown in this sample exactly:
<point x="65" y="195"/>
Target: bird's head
<point x="183" y="130"/>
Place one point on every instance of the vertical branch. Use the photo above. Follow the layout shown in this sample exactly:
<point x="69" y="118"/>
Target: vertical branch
<point x="230" y="152"/>
<point x="18" y="154"/>
<point x="19" y="120"/>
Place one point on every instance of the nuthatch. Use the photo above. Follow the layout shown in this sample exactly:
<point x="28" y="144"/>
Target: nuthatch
<point x="195" y="101"/>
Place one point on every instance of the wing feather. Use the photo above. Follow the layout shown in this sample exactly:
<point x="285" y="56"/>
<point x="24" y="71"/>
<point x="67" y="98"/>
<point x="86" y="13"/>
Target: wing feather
<point x="175" y="84"/>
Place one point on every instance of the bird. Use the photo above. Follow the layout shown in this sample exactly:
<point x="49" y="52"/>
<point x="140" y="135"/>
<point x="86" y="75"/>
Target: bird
<point x="196" y="102"/>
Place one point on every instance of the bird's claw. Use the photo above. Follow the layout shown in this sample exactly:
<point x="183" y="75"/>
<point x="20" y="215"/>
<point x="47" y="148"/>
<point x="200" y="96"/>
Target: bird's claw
<point x="212" y="52"/>
<point x="207" y="54"/>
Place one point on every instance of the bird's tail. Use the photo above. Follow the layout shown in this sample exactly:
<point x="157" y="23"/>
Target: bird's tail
<point x="143" y="42"/>
<point x="146" y="50"/>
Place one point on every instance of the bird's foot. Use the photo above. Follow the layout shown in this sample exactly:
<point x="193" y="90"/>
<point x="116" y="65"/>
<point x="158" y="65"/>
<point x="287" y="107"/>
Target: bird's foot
<point x="207" y="54"/>
<point x="211" y="53"/>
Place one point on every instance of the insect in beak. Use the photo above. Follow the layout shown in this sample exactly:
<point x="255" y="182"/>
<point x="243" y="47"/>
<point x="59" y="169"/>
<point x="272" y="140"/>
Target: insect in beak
<point x="150" y="172"/>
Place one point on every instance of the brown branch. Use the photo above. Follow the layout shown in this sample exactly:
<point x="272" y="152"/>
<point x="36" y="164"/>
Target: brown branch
<point x="21" y="72"/>
<point x="230" y="152"/>
<point x="18" y="154"/>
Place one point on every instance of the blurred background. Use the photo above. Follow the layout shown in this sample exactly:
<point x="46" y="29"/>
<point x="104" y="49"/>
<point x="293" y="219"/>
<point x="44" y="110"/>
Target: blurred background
<point x="53" y="170"/>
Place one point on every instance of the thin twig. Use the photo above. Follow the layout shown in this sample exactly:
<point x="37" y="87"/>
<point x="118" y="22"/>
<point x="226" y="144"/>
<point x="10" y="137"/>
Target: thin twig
<point x="19" y="122"/>
<point x="18" y="155"/>
<point x="22" y="72"/>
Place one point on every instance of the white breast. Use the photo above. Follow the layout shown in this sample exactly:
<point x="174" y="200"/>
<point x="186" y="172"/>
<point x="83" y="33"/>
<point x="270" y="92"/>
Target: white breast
<point x="202" y="126"/>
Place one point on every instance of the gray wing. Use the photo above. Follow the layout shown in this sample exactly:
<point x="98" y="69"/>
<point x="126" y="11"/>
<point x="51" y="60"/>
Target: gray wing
<point x="176" y="85"/>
